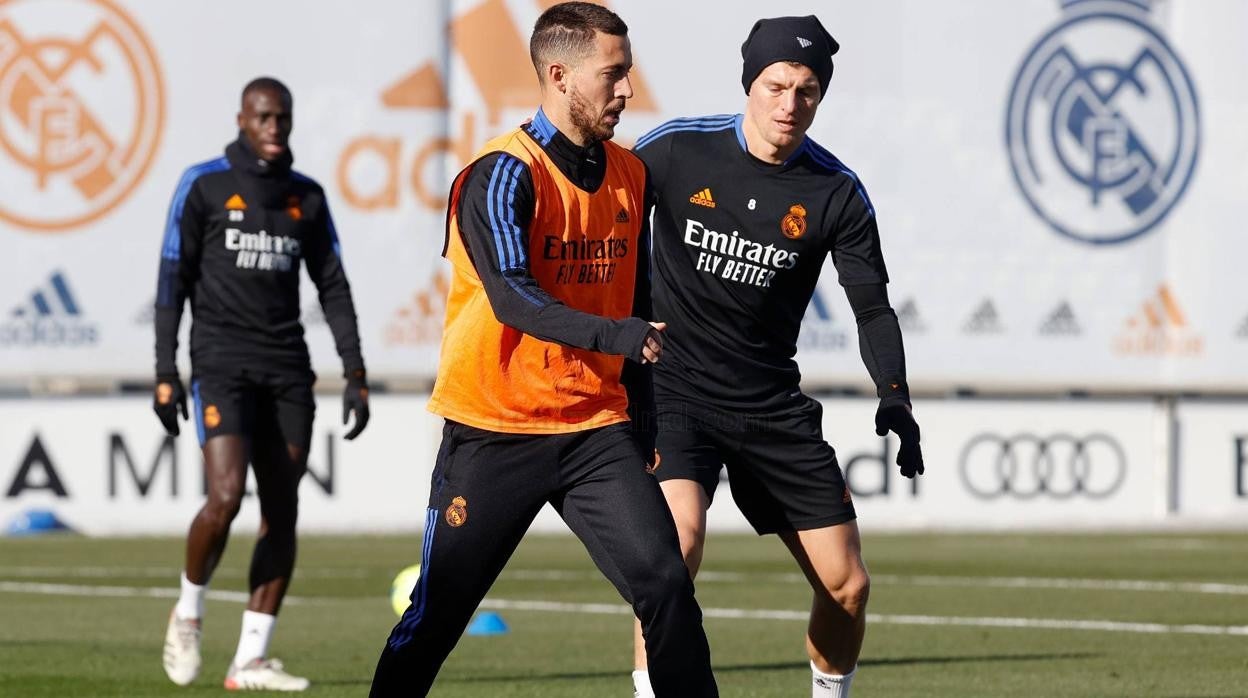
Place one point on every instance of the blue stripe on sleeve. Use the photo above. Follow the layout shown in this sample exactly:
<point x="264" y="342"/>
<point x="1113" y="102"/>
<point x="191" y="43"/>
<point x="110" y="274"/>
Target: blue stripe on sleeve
<point x="171" y="247"/>
<point x="166" y="283"/>
<point x="717" y="122"/>
<point x="736" y="127"/>
<point x="507" y="237"/>
<point x="522" y="291"/>
<point x="491" y="193"/>
<point x="333" y="233"/>
<point x="821" y="157"/>
<point x="501" y="211"/>
<point x="521" y="258"/>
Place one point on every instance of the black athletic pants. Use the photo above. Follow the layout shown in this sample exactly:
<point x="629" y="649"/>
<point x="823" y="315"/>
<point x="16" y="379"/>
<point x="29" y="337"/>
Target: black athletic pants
<point x="487" y="488"/>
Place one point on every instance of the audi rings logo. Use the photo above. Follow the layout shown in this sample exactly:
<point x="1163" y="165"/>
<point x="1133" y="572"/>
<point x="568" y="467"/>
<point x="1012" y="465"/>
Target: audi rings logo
<point x="1027" y="466"/>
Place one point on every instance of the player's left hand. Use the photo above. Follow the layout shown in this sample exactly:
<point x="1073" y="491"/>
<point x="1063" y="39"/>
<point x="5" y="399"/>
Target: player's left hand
<point x="355" y="399"/>
<point x="896" y="417"/>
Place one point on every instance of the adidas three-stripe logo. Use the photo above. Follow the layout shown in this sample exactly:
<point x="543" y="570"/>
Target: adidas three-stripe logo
<point x="41" y="300"/>
<point x="703" y="198"/>
<point x="804" y="43"/>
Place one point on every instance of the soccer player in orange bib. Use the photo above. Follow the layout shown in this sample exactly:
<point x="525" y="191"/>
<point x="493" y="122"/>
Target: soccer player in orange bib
<point x="542" y="360"/>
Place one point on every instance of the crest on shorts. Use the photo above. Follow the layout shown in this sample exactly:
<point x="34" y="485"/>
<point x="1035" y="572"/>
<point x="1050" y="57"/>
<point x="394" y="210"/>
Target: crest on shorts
<point x="212" y="417"/>
<point x="457" y="512"/>
<point x="793" y="225"/>
<point x="847" y="498"/>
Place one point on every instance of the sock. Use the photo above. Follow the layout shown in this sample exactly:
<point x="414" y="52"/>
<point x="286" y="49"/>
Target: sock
<point x="191" y="600"/>
<point x="253" y="641"/>
<point x="830" y="685"/>
<point x="641" y="684"/>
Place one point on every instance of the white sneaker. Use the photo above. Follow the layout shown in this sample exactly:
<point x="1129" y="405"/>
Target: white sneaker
<point x="182" y="649"/>
<point x="263" y="675"/>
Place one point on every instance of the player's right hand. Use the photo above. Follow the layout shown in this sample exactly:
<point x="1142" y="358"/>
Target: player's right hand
<point x="168" y="399"/>
<point x="653" y="347"/>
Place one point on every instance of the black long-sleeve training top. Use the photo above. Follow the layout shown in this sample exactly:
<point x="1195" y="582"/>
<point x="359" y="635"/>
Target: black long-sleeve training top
<point x="739" y="245"/>
<point x="238" y="228"/>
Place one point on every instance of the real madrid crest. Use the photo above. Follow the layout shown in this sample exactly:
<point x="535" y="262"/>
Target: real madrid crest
<point x="457" y="512"/>
<point x="293" y="209"/>
<point x="793" y="225"/>
<point x="1102" y="127"/>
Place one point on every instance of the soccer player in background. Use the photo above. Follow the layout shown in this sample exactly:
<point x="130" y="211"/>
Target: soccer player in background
<point x="239" y="228"/>
<point x="747" y="210"/>
<point x="546" y="236"/>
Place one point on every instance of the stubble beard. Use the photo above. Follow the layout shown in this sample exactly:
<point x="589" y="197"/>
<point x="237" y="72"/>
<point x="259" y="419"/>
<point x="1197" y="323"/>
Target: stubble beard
<point x="588" y="126"/>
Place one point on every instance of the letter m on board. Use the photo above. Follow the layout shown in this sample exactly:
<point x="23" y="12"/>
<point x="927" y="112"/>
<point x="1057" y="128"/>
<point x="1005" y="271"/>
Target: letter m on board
<point x="119" y="454"/>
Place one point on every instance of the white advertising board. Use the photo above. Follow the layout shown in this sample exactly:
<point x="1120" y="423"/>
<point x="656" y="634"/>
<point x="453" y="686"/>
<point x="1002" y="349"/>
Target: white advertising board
<point x="1059" y="184"/>
<point x="1005" y="465"/>
<point x="104" y="467"/>
<point x="1212" y="486"/>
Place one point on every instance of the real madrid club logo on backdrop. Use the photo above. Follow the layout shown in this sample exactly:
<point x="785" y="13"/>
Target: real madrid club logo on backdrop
<point x="81" y="110"/>
<point x="1102" y="127"/>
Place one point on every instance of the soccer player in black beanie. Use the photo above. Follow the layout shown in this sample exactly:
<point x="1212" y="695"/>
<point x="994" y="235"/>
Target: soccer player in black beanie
<point x="747" y="209"/>
<point x="789" y="39"/>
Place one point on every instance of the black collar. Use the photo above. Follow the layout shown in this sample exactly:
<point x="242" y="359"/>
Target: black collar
<point x="242" y="157"/>
<point x="267" y="182"/>
<point x="585" y="166"/>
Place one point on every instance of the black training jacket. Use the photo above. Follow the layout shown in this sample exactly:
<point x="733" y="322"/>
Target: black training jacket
<point x="237" y="232"/>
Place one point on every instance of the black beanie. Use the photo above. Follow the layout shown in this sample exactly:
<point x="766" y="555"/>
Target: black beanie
<point x="798" y="39"/>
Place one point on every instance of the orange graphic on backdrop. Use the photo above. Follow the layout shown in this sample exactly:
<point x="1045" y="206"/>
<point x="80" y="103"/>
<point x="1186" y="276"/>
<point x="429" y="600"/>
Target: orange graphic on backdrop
<point x="497" y="56"/>
<point x="419" y="320"/>
<point x="77" y="150"/>
<point x="494" y="49"/>
<point x="1159" y="328"/>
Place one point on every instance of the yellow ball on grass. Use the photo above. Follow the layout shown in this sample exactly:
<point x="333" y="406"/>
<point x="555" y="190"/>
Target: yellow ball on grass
<point x="401" y="588"/>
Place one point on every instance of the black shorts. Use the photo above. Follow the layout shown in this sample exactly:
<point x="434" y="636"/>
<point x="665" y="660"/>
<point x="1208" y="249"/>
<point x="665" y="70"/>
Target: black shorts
<point x="784" y="475"/>
<point x="254" y="404"/>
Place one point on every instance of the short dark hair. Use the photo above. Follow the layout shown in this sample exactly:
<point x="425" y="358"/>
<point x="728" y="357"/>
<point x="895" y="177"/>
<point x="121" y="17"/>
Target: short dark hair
<point x="267" y="83"/>
<point x="566" y="31"/>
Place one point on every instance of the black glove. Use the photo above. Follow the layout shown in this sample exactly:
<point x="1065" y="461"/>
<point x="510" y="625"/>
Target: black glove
<point x="355" y="399"/>
<point x="168" y="399"/>
<point x="895" y="416"/>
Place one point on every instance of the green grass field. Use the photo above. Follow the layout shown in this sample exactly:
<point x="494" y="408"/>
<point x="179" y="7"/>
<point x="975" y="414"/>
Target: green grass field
<point x="954" y="615"/>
